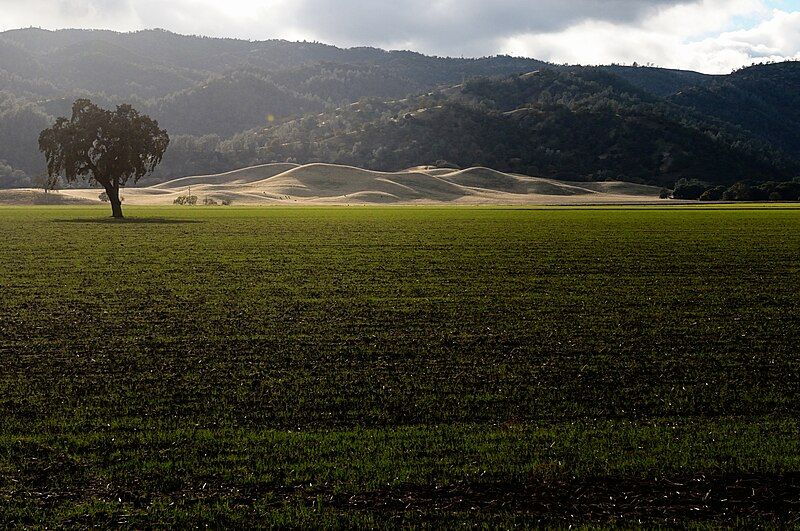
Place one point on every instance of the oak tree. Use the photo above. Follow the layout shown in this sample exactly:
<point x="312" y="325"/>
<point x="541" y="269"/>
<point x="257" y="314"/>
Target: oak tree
<point x="109" y="148"/>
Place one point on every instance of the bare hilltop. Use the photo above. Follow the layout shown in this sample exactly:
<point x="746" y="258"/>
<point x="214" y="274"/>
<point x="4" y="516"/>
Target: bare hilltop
<point x="286" y="183"/>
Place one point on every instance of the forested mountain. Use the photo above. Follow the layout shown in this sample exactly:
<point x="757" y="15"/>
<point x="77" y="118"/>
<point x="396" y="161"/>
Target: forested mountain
<point x="661" y="82"/>
<point x="765" y="101"/>
<point x="581" y="124"/>
<point x="229" y="103"/>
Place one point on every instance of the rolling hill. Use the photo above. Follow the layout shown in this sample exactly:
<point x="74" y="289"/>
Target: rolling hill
<point x="331" y="184"/>
<point x="581" y="125"/>
<point x="230" y="103"/>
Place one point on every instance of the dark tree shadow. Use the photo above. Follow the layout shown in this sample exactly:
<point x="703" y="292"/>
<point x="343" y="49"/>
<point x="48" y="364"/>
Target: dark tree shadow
<point x="130" y="221"/>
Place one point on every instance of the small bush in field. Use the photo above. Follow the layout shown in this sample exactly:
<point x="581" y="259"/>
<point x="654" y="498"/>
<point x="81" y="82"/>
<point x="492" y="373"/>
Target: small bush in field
<point x="188" y="200"/>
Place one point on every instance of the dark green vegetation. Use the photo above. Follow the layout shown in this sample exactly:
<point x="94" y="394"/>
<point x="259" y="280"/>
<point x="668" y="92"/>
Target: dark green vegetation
<point x="585" y="124"/>
<point x="380" y="366"/>
<point x="229" y="104"/>
<point x="200" y="86"/>
<point x="98" y="146"/>
<point x="740" y="191"/>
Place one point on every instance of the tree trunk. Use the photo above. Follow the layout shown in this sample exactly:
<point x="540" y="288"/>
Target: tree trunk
<point x="116" y="204"/>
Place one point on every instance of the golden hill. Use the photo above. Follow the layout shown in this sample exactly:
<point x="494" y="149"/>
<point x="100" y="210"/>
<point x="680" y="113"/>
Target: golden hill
<point x="332" y="184"/>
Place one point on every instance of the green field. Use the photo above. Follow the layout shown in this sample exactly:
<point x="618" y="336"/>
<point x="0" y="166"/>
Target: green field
<point x="389" y="366"/>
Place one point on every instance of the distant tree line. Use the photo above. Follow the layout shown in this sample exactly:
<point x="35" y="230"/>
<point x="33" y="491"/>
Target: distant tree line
<point x="12" y="178"/>
<point x="739" y="191"/>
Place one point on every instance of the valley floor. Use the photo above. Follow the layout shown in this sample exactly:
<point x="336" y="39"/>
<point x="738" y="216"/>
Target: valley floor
<point x="376" y="367"/>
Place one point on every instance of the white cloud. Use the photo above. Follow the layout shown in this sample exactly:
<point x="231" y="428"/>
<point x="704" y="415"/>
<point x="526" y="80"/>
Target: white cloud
<point x="696" y="34"/>
<point x="776" y="38"/>
<point x="456" y="27"/>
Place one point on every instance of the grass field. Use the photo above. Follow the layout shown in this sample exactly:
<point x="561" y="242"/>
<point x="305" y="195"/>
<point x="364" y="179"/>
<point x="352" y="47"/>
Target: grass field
<point x="387" y="366"/>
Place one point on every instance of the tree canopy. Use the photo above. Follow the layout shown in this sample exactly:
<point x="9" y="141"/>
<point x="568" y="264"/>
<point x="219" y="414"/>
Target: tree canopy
<point x="109" y="148"/>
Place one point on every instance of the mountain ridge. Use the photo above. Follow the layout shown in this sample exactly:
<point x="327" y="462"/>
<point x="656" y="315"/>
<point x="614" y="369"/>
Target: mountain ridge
<point x="231" y="103"/>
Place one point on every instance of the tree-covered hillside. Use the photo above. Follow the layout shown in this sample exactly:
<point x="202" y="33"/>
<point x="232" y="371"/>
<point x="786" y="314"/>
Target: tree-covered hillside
<point x="584" y="124"/>
<point x="764" y="101"/>
<point x="228" y="103"/>
<point x="201" y="86"/>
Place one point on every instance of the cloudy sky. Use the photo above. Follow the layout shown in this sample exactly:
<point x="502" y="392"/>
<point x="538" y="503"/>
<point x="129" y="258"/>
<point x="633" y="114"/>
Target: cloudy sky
<point x="713" y="36"/>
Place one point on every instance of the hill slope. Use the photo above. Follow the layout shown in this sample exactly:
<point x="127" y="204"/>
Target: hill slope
<point x="763" y="101"/>
<point x="229" y="103"/>
<point x="585" y="125"/>
<point x="332" y="184"/>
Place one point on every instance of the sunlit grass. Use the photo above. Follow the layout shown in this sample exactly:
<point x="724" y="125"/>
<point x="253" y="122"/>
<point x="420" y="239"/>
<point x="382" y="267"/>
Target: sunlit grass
<point x="198" y="364"/>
